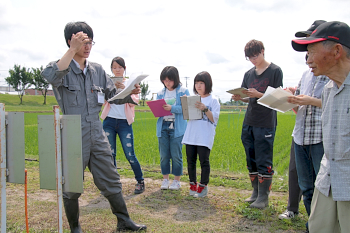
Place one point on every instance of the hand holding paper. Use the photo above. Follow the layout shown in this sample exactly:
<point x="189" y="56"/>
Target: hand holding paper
<point x="157" y="109"/>
<point x="167" y="107"/>
<point x="276" y="99"/>
<point x="238" y="91"/>
<point x="304" y="100"/>
<point x="130" y="87"/>
<point x="189" y="110"/>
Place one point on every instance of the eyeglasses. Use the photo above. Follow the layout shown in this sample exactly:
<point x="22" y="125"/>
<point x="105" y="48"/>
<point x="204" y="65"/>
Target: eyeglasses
<point x="91" y="43"/>
<point x="253" y="57"/>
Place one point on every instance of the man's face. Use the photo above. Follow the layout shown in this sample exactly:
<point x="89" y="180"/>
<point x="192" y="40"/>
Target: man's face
<point x="320" y="59"/>
<point x="84" y="52"/>
<point x="257" y="59"/>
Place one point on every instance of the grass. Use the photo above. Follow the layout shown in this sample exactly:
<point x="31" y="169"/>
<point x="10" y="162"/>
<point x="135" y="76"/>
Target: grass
<point x="223" y="211"/>
<point x="227" y="153"/>
<point x="30" y="103"/>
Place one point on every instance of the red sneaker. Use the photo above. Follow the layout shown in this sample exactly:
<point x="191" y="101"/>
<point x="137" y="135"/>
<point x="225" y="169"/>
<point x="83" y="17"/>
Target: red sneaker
<point x="202" y="191"/>
<point x="193" y="188"/>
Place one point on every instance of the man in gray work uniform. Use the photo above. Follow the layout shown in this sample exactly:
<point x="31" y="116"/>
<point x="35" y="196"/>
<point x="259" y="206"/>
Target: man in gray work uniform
<point x="80" y="88"/>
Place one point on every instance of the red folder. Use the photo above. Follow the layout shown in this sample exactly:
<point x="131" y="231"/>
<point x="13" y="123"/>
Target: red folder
<point x="157" y="109"/>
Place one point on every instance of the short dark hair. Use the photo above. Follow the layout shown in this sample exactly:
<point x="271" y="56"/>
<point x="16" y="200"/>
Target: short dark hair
<point x="75" y="27"/>
<point x="253" y="48"/>
<point x="205" y="77"/>
<point x="120" y="62"/>
<point x="172" y="74"/>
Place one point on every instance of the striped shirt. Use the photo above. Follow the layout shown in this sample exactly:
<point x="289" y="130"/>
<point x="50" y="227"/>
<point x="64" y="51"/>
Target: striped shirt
<point x="308" y="126"/>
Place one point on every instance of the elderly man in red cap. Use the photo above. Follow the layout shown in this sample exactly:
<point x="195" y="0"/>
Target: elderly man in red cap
<point x="329" y="54"/>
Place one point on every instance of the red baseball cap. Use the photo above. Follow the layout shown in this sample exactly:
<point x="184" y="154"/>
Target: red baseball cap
<point x="336" y="31"/>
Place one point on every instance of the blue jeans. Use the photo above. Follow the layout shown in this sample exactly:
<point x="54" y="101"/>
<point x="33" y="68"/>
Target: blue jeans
<point x="112" y="127"/>
<point x="170" y="148"/>
<point x="308" y="161"/>
<point x="258" y="145"/>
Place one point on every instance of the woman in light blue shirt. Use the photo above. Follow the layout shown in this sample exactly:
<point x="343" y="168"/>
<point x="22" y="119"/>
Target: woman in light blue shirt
<point x="170" y="129"/>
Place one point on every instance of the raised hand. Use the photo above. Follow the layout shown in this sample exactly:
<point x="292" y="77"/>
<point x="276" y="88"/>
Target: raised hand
<point x="78" y="40"/>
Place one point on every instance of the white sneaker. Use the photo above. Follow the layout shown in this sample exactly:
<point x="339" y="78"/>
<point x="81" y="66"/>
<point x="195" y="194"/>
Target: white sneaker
<point x="175" y="185"/>
<point x="165" y="184"/>
<point x="287" y="215"/>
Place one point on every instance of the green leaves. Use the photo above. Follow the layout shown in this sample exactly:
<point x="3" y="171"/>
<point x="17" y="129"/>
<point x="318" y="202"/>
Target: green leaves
<point x="20" y="79"/>
<point x="39" y="82"/>
<point x="144" y="92"/>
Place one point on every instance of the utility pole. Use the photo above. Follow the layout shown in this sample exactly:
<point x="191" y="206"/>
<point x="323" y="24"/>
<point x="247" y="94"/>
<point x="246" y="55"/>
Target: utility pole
<point x="186" y="80"/>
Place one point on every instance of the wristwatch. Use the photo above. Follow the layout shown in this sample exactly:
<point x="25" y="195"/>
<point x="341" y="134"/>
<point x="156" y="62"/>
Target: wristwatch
<point x="205" y="110"/>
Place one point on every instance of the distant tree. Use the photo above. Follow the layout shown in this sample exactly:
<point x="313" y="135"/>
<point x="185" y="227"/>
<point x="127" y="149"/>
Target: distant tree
<point x="144" y="92"/>
<point x="39" y="82"/>
<point x="20" y="79"/>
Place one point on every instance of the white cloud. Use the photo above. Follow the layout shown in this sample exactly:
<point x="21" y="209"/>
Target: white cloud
<point x="191" y="35"/>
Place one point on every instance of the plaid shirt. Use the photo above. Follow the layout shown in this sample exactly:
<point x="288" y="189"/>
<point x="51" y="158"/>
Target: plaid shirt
<point x="308" y="126"/>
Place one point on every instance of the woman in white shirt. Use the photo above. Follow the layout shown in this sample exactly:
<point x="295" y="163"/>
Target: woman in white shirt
<point x="199" y="134"/>
<point x="118" y="119"/>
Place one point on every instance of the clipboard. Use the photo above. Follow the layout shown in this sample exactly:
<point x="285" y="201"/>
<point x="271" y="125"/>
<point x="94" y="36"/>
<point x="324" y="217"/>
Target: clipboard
<point x="189" y="110"/>
<point x="238" y="91"/>
<point x="157" y="109"/>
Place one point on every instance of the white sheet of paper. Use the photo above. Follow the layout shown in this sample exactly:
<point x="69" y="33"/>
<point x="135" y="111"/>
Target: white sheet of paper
<point x="129" y="87"/>
<point x="193" y="112"/>
<point x="276" y="99"/>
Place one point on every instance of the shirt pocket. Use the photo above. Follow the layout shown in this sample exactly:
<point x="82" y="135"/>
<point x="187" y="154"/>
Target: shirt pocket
<point x="71" y="93"/>
<point x="96" y="90"/>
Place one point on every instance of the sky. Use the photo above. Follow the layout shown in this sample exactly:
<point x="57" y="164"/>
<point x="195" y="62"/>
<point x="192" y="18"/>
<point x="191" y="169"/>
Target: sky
<point x="192" y="35"/>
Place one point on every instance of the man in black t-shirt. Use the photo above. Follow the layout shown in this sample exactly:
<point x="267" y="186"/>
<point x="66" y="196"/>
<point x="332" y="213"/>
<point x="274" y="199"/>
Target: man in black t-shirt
<point x="259" y="125"/>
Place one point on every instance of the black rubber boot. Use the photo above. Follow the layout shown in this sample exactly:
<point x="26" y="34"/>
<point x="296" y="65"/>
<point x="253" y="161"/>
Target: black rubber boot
<point x="265" y="182"/>
<point x="119" y="209"/>
<point x="254" y="180"/>
<point x="71" y="206"/>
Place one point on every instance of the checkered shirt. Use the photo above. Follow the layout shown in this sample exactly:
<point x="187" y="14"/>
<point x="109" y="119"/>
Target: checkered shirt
<point x="308" y="126"/>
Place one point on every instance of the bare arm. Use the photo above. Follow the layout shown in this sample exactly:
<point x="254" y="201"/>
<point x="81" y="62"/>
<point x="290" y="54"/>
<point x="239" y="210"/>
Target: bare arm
<point x="201" y="107"/>
<point x="305" y="100"/>
<point x="238" y="97"/>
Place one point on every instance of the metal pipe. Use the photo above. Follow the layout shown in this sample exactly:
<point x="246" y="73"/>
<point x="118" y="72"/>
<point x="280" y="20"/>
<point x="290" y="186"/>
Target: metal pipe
<point x="26" y="199"/>
<point x="3" y="166"/>
<point x="57" y="124"/>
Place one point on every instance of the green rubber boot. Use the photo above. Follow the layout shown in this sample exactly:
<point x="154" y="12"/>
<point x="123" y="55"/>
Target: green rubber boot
<point x="254" y="180"/>
<point x="265" y="182"/>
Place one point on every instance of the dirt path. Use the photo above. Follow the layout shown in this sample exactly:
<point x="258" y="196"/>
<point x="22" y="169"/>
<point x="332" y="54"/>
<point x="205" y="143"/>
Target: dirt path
<point x="161" y="210"/>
